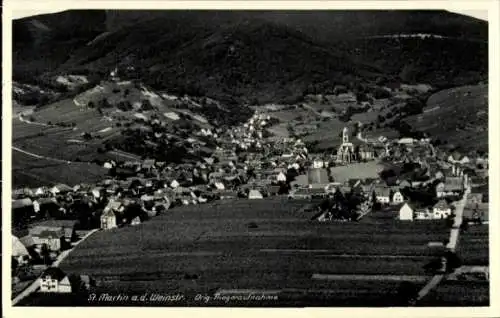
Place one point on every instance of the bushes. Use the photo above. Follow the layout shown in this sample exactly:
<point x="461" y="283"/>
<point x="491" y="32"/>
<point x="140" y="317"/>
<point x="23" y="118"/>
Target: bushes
<point x="380" y="93"/>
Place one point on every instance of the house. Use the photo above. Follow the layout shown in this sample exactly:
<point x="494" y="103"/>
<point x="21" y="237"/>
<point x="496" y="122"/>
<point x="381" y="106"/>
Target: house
<point x="219" y="186"/>
<point x="281" y="177"/>
<point x="273" y="189"/>
<point x="439" y="175"/>
<point x="441" y="209"/>
<point x="397" y="197"/>
<point x="424" y="214"/>
<point x="22" y="209"/>
<point x="383" y="194"/>
<point x="67" y="226"/>
<point x="406" y="212"/>
<point x="60" y="189"/>
<point x="174" y="184"/>
<point x="404" y="184"/>
<point x="255" y="194"/>
<point x="135" y="221"/>
<point x="450" y="187"/>
<point x="46" y="206"/>
<point x="108" y="220"/>
<point x="19" y="251"/>
<point x="474" y="199"/>
<point x="478" y="213"/>
<point x="41" y="191"/>
<point x="53" y="280"/>
<point x="53" y="238"/>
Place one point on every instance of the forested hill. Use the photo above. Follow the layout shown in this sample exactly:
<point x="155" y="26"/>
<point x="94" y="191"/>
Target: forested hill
<point x="251" y="56"/>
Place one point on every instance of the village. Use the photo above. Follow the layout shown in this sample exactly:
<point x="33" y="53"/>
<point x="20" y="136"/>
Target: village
<point x="407" y="179"/>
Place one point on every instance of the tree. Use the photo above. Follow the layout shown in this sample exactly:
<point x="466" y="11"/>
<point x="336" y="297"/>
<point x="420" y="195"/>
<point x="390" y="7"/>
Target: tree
<point x="87" y="136"/>
<point x="45" y="254"/>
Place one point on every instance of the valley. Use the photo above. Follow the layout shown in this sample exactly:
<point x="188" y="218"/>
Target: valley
<point x="306" y="158"/>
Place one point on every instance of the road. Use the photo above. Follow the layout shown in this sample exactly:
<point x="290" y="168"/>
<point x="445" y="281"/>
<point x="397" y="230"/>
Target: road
<point x="35" y="285"/>
<point x="307" y="107"/>
<point x="454" y="233"/>
<point x="34" y="155"/>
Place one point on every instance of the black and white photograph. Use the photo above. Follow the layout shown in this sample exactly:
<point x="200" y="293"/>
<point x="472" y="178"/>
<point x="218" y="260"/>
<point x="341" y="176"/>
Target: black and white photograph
<point x="270" y="158"/>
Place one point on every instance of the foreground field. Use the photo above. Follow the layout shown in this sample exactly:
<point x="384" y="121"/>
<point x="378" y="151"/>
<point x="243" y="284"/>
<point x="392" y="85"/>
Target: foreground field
<point x="473" y="247"/>
<point x="215" y="245"/>
<point x="458" y="293"/>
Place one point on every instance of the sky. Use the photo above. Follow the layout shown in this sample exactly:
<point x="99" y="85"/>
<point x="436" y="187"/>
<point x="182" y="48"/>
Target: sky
<point x="483" y="15"/>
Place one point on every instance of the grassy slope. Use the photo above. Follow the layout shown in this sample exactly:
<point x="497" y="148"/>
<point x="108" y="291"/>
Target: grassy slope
<point x="458" y="116"/>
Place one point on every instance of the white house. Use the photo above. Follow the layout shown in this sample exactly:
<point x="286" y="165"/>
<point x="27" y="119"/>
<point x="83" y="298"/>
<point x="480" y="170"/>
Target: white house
<point x="108" y="220"/>
<point x="174" y="184"/>
<point x="281" y="177"/>
<point x="441" y="210"/>
<point x="53" y="280"/>
<point x="464" y="160"/>
<point x="255" y="194"/>
<point x="397" y="198"/>
<point x="19" y="251"/>
<point x="317" y="163"/>
<point x="406" y="213"/>
<point x="136" y="221"/>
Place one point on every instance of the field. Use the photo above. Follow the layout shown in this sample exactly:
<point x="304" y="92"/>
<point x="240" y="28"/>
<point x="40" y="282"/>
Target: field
<point x="473" y="246"/>
<point x="214" y="244"/>
<point x="328" y="135"/>
<point x="456" y="293"/>
<point x="44" y="138"/>
<point x="360" y="170"/>
<point x="28" y="171"/>
<point x="458" y="116"/>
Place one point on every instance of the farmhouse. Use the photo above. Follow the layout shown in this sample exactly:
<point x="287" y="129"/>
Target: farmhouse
<point x="53" y="280"/>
